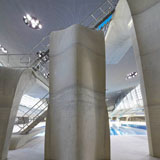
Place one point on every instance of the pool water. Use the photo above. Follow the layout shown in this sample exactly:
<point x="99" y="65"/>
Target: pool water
<point x="127" y="129"/>
<point x="117" y="128"/>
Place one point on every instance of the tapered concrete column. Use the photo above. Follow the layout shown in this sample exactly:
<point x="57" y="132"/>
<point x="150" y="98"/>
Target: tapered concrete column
<point x="12" y="85"/>
<point x="145" y="14"/>
<point x="77" y="122"/>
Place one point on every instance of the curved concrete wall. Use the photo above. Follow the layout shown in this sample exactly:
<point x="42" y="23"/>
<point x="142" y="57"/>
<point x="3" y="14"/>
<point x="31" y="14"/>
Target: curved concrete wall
<point x="77" y="124"/>
<point x="13" y="83"/>
<point x="145" y="14"/>
<point x="144" y="30"/>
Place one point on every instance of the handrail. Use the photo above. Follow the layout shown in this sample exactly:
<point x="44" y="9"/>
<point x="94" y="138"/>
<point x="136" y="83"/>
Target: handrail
<point x="36" y="104"/>
<point x="44" y="109"/>
<point x="104" y="13"/>
<point x="32" y="120"/>
<point x="101" y="17"/>
<point x="36" y="108"/>
<point x="92" y="13"/>
<point x="97" y="20"/>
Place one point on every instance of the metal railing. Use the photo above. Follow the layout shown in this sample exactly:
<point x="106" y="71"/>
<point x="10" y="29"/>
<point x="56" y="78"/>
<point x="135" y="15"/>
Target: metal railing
<point x="34" y="112"/>
<point x="99" y="14"/>
<point x="31" y="60"/>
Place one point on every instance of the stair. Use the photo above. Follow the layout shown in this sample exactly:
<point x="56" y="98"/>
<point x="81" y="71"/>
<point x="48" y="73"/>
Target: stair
<point x="35" y="114"/>
<point x="39" y="65"/>
<point x="34" y="123"/>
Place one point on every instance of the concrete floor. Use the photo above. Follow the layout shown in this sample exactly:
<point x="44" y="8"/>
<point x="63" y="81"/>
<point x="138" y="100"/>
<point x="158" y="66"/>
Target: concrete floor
<point x="130" y="148"/>
<point x="123" y="148"/>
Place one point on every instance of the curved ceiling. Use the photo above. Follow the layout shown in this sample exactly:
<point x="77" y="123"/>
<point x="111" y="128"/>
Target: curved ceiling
<point x="116" y="73"/>
<point x="120" y="56"/>
<point x="17" y="37"/>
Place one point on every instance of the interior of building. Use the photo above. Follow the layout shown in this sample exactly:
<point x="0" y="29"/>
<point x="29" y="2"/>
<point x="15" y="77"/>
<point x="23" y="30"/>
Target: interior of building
<point x="79" y="80"/>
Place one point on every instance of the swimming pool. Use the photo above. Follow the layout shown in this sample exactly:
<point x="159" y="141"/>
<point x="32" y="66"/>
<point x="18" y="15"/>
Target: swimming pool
<point x="127" y="129"/>
<point x="118" y="128"/>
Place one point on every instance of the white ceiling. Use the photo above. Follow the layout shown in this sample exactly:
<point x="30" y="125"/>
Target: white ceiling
<point x="53" y="14"/>
<point x="59" y="14"/>
<point x="116" y="73"/>
<point x="120" y="58"/>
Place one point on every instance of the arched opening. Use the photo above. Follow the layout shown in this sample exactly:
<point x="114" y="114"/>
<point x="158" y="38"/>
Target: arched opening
<point x="124" y="87"/>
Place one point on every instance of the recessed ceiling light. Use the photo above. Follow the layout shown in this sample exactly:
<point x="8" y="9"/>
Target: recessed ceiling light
<point x="4" y="50"/>
<point x="32" y="21"/>
<point x="131" y="75"/>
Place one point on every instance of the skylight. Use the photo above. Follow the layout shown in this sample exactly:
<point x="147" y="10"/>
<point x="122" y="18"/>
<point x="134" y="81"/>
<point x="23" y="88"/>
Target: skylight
<point x="28" y="101"/>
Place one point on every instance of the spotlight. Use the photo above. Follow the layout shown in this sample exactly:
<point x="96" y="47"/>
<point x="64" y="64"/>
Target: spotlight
<point x="131" y="75"/>
<point x="40" y="26"/>
<point x="32" y="21"/>
<point x="43" y="55"/>
<point x="4" y="50"/>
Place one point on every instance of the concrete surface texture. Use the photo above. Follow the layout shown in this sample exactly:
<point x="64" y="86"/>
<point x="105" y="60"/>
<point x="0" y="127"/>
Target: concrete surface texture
<point x="76" y="122"/>
<point x="140" y="19"/>
<point x="120" y="59"/>
<point x="145" y="15"/>
<point x="13" y="83"/>
<point x="122" y="148"/>
<point x="17" y="140"/>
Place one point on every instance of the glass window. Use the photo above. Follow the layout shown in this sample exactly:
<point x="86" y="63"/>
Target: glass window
<point x="134" y="97"/>
<point x="133" y="100"/>
<point x="1" y="64"/>
<point x="131" y="105"/>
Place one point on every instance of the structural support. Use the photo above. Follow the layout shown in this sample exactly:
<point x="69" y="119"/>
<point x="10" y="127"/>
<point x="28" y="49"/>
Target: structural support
<point x="145" y="14"/>
<point x="77" y="121"/>
<point x="12" y="85"/>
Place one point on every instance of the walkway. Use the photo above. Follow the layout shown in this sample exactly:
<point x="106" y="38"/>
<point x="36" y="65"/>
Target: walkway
<point x="123" y="148"/>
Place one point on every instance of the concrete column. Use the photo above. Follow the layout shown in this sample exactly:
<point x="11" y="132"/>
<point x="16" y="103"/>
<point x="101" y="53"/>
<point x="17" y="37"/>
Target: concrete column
<point x="145" y="14"/>
<point x="77" y="121"/>
<point x="12" y="85"/>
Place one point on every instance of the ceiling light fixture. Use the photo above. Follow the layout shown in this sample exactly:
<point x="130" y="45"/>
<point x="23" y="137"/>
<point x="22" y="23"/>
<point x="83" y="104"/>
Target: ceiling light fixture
<point x="4" y="50"/>
<point x="131" y="75"/>
<point x="46" y="75"/>
<point x="32" y="22"/>
<point x="43" y="55"/>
